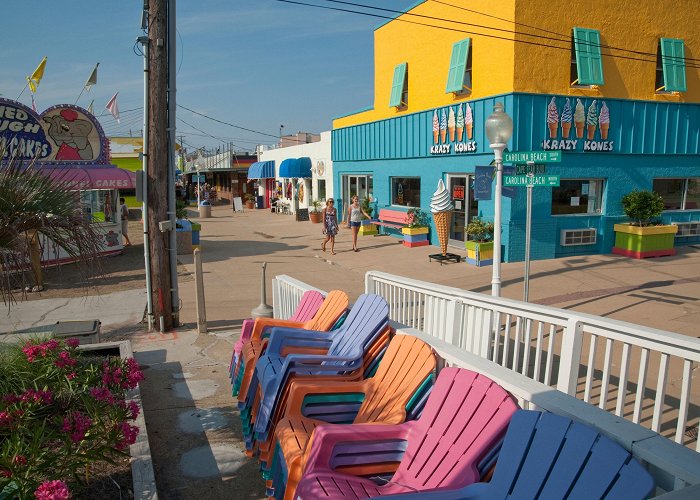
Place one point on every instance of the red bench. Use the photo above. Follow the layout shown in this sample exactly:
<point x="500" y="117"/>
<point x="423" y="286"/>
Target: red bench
<point x="395" y="219"/>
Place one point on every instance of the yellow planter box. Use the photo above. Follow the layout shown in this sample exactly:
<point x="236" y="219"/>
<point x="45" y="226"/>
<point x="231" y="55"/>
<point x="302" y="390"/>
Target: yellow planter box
<point x="367" y="230"/>
<point x="414" y="230"/>
<point x="642" y="231"/>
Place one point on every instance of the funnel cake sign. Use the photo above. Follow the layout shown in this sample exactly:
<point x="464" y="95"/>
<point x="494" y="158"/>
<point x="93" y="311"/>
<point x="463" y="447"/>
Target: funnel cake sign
<point x="583" y="128"/>
<point x="453" y="130"/>
<point x="61" y="134"/>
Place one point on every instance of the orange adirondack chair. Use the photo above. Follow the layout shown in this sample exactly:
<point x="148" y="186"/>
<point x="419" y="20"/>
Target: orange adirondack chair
<point x="333" y="307"/>
<point x="404" y="375"/>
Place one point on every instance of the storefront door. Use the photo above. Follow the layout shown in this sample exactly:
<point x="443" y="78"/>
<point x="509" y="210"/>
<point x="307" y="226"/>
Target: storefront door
<point x="462" y="194"/>
<point x="360" y="185"/>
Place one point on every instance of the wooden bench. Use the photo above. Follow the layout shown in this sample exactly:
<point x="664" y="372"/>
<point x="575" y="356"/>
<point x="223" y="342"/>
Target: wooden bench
<point x="394" y="219"/>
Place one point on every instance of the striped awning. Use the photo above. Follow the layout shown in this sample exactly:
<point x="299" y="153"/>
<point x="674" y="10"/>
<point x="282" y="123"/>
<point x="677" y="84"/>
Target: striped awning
<point x="262" y="170"/>
<point x="299" y="168"/>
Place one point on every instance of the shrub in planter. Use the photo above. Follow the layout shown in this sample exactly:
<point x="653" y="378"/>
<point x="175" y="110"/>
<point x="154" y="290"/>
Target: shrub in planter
<point x="61" y="411"/>
<point x="479" y="245"/>
<point x="416" y="232"/>
<point x="315" y="215"/>
<point x="644" y="237"/>
<point x="366" y="227"/>
<point x="249" y="201"/>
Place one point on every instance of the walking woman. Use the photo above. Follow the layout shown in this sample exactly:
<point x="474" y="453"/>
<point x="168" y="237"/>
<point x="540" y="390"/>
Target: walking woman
<point x="355" y="214"/>
<point x="330" y="225"/>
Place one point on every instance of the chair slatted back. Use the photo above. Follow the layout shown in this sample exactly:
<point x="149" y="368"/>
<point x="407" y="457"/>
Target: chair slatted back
<point x="333" y="307"/>
<point x="367" y="318"/>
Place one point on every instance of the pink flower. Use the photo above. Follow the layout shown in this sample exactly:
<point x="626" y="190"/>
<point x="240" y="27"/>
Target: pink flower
<point x="133" y="409"/>
<point x="129" y="433"/>
<point x="71" y="375"/>
<point x="134" y="375"/>
<point x="64" y="360"/>
<point x="19" y="460"/>
<point x="5" y="419"/>
<point x="5" y="473"/>
<point x="52" y="490"/>
<point x="73" y="342"/>
<point x="76" y="424"/>
<point x="32" y="396"/>
<point x="31" y="351"/>
<point x="102" y="394"/>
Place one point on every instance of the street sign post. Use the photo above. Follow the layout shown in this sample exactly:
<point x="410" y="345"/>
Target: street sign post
<point x="532" y="156"/>
<point x="531" y="180"/>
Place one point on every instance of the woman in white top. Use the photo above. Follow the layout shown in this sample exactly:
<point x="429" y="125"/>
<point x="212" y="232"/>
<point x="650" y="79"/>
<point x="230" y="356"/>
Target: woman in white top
<point x="355" y="214"/>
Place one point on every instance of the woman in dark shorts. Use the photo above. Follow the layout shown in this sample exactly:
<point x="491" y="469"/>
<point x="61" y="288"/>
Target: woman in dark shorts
<point x="355" y="214"/>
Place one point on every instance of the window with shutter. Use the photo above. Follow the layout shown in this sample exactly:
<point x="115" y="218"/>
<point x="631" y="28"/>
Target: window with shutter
<point x="672" y="63"/>
<point x="587" y="65"/>
<point x="399" y="87"/>
<point x="459" y="77"/>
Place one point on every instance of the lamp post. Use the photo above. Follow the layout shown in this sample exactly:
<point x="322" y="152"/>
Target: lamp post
<point x="499" y="128"/>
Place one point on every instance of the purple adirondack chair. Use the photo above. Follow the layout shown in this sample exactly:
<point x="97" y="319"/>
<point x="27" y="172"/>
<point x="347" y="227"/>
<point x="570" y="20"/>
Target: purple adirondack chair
<point x="345" y="346"/>
<point x="309" y="303"/>
<point x="463" y="422"/>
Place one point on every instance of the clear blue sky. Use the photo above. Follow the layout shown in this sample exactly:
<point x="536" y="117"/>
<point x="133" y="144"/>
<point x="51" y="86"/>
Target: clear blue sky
<point x="254" y="63"/>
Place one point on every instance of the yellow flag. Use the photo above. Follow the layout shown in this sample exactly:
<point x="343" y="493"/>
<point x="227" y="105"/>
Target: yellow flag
<point x="36" y="77"/>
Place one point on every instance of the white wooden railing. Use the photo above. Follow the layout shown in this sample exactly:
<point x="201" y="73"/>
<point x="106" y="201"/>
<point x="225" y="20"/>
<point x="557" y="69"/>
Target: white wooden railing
<point x="536" y="353"/>
<point x="640" y="373"/>
<point x="286" y="294"/>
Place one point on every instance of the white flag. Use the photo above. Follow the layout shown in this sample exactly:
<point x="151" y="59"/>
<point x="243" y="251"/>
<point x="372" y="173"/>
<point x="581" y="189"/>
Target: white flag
<point x="92" y="79"/>
<point x="113" y="108"/>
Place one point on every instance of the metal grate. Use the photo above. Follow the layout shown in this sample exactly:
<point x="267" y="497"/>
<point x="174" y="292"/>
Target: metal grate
<point x="573" y="237"/>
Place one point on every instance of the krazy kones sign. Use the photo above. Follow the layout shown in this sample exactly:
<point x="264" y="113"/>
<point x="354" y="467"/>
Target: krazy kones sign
<point x="453" y="130"/>
<point x="583" y="125"/>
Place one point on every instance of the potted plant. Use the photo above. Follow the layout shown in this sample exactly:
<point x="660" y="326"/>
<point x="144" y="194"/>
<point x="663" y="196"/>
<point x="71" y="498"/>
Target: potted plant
<point x="415" y="234"/>
<point x="315" y="214"/>
<point x="366" y="225"/>
<point x="479" y="242"/>
<point x="249" y="201"/>
<point x="646" y="236"/>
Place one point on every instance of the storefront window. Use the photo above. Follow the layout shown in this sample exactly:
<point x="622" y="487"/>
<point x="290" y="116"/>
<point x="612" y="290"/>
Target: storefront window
<point x="321" y="189"/>
<point x="577" y="196"/>
<point x="679" y="194"/>
<point x="99" y="205"/>
<point x="405" y="191"/>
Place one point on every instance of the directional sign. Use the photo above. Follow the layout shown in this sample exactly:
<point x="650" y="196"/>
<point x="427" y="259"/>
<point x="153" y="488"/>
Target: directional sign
<point x="199" y="178"/>
<point x="529" y="169"/>
<point x="531" y="180"/>
<point x="533" y="156"/>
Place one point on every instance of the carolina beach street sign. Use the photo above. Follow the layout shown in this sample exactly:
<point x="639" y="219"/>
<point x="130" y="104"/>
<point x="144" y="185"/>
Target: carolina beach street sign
<point x="532" y="156"/>
<point x="531" y="180"/>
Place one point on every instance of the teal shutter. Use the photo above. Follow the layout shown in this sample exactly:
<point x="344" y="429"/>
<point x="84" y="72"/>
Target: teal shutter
<point x="589" y="63"/>
<point x="458" y="63"/>
<point x="673" y="61"/>
<point x="397" y="85"/>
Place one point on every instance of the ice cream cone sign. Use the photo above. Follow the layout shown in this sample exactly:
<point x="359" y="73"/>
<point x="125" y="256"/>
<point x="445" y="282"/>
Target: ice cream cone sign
<point x="579" y="118"/>
<point x="566" y="119"/>
<point x="552" y="118"/>
<point x="443" y="126"/>
<point x="592" y="119"/>
<point x="469" y="122"/>
<point x="604" y="121"/>
<point x="451" y="124"/>
<point x="460" y="123"/>
<point x="436" y="127"/>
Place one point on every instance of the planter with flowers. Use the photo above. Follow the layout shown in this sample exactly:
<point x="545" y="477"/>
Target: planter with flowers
<point x="367" y="228"/>
<point x="479" y="244"/>
<point x="416" y="232"/>
<point x="63" y="412"/>
<point x="643" y="237"/>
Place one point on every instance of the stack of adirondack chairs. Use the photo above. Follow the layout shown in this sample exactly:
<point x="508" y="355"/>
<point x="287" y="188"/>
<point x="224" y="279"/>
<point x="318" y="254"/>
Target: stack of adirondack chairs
<point x="336" y="406"/>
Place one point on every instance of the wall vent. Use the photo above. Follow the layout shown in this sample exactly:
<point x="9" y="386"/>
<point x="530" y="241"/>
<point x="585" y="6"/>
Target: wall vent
<point x="573" y="237"/>
<point x="688" y="228"/>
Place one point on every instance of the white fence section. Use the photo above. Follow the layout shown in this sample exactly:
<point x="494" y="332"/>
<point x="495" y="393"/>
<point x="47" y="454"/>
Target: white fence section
<point x="286" y="294"/>
<point x="639" y="373"/>
<point x="454" y="319"/>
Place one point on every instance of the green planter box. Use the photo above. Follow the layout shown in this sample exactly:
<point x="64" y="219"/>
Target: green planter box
<point x="479" y="253"/>
<point x="642" y="242"/>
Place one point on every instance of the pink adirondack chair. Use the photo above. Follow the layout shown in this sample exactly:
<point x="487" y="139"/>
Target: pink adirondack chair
<point x="464" y="420"/>
<point x="309" y="303"/>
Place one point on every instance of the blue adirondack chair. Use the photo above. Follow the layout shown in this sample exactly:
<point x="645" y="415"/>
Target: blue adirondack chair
<point x="345" y="349"/>
<point x="550" y="456"/>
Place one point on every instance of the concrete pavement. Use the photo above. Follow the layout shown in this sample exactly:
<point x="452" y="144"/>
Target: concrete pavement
<point x="193" y="426"/>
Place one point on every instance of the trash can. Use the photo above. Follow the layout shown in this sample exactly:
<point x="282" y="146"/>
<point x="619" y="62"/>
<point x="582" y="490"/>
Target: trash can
<point x="259" y="202"/>
<point x="183" y="237"/>
<point x="204" y="209"/>
<point x="195" y="234"/>
<point x="87" y="332"/>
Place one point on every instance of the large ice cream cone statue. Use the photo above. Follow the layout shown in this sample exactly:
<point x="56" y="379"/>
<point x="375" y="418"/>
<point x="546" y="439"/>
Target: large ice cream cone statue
<point x="441" y="207"/>
<point x="443" y="126"/>
<point x="451" y="125"/>
<point x="592" y="119"/>
<point x="604" y="121"/>
<point x="460" y="123"/>
<point x="552" y="118"/>
<point x="579" y="118"/>
<point x="469" y="122"/>
<point x="566" y="118"/>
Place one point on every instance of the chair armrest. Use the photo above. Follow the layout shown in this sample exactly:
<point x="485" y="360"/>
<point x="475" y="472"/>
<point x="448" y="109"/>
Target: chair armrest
<point x="323" y="441"/>
<point x="263" y="324"/>
<point x="281" y="337"/>
<point x="316" y="362"/>
<point x="299" y="389"/>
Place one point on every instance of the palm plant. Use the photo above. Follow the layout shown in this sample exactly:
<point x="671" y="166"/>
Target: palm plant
<point x="33" y="206"/>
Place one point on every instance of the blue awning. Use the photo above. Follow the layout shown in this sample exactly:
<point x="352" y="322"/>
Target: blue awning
<point x="296" y="167"/>
<point x="262" y="170"/>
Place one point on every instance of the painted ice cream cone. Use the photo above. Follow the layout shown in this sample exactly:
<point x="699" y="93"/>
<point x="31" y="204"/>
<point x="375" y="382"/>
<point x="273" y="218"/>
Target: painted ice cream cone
<point x="579" y="118"/>
<point x="566" y="119"/>
<point x="451" y="124"/>
<point x="604" y="121"/>
<point x="460" y="123"/>
<point x="436" y="127"/>
<point x="469" y="121"/>
<point x="592" y="119"/>
<point x="443" y="126"/>
<point x="552" y="118"/>
<point x="441" y="207"/>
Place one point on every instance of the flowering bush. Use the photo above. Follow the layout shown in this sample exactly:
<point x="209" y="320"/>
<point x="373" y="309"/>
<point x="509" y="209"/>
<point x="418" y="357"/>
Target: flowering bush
<point x="415" y="217"/>
<point x="60" y="412"/>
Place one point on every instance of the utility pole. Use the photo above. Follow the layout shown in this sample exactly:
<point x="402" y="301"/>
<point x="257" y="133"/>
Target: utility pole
<point x="158" y="163"/>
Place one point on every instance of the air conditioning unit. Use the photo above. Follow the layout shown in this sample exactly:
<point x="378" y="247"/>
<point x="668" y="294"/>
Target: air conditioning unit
<point x="574" y="237"/>
<point x="688" y="228"/>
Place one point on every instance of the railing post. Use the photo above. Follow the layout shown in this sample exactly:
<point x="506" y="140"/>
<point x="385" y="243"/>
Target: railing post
<point x="453" y="320"/>
<point x="276" y="298"/>
<point x="370" y="283"/>
<point x="570" y="357"/>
